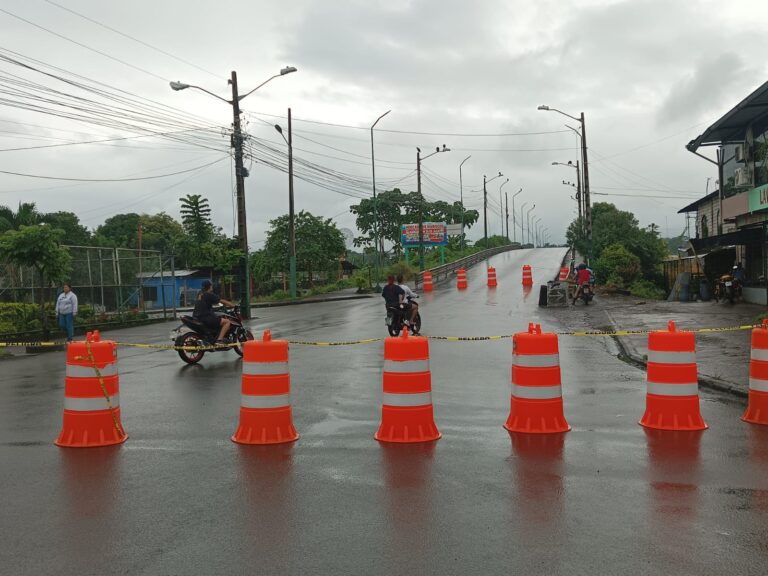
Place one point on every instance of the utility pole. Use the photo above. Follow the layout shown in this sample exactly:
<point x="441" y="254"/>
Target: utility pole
<point x="141" y="283"/>
<point x="291" y="212"/>
<point x="421" y="210"/>
<point x="242" y="227"/>
<point x="587" y="200"/>
<point x="461" y="199"/>
<point x="501" y="206"/>
<point x="485" y="211"/>
<point x="506" y="197"/>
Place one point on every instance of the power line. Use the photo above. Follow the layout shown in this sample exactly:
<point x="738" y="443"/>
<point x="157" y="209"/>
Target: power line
<point x="155" y="48"/>
<point x="110" y="179"/>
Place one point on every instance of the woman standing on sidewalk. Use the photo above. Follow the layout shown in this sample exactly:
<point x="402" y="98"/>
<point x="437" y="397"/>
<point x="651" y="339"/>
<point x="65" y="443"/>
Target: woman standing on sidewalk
<point x="66" y="310"/>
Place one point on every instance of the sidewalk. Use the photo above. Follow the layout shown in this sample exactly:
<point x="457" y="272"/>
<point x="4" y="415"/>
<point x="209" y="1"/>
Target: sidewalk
<point x="722" y="357"/>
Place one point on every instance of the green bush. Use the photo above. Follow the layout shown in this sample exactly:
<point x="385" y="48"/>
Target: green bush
<point x="361" y="279"/>
<point x="408" y="272"/>
<point x="618" y="265"/>
<point x="647" y="289"/>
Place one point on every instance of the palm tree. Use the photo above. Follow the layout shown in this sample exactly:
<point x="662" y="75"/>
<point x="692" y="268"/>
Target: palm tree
<point x="196" y="217"/>
<point x="26" y="215"/>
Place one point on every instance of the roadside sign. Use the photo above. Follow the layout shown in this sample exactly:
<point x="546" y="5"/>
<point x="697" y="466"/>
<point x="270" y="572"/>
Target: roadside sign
<point x="434" y="234"/>
<point x="453" y="229"/>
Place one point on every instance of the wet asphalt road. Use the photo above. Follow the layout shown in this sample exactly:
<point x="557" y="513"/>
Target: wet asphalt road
<point x="180" y="498"/>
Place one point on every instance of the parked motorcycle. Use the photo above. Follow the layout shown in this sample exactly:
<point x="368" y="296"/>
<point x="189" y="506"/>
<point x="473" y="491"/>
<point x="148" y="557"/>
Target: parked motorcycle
<point x="199" y="339"/>
<point x="587" y="293"/>
<point x="727" y="288"/>
<point x="396" y="317"/>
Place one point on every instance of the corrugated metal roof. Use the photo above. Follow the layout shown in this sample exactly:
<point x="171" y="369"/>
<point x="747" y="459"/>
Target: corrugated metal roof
<point x="732" y="127"/>
<point x="693" y="206"/>
<point x="166" y="274"/>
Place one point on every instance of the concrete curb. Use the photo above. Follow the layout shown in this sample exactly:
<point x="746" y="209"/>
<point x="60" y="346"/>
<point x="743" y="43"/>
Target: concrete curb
<point x="311" y="301"/>
<point x="632" y="357"/>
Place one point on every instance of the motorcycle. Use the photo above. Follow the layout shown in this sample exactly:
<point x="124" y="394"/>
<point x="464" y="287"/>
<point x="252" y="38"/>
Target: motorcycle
<point x="396" y="317"/>
<point x="203" y="339"/>
<point x="727" y="288"/>
<point x="587" y="293"/>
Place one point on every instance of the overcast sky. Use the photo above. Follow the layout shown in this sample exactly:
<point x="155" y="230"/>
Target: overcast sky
<point x="649" y="76"/>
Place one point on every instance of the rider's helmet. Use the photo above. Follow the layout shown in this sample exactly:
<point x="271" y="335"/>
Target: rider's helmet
<point x="581" y="266"/>
<point x="206" y="285"/>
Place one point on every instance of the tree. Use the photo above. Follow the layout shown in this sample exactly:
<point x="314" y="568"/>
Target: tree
<point x="613" y="226"/>
<point x="319" y="244"/>
<point x="196" y="217"/>
<point x="120" y="231"/>
<point x="617" y="266"/>
<point x="74" y="232"/>
<point x="26" y="215"/>
<point x="39" y="247"/>
<point x="394" y="209"/>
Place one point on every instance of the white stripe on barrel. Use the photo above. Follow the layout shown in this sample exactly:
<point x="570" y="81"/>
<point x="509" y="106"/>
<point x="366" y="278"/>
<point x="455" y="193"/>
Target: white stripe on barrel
<point x="418" y="399"/>
<point x="265" y="368"/>
<point x="406" y="366"/>
<point x="666" y="389"/>
<point x="536" y="360"/>
<point x="90" y="404"/>
<point x="78" y="371"/>
<point x="662" y="357"/>
<point x="267" y="401"/>
<point x="537" y="392"/>
<point x="758" y="385"/>
<point x="759" y="354"/>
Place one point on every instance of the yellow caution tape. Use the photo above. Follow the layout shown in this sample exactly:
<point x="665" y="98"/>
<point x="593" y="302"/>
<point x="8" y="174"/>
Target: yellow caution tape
<point x="372" y="340"/>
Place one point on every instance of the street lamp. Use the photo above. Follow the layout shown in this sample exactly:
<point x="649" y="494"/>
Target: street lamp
<point x="585" y="173"/>
<point x="240" y="174"/>
<point x="522" y="223"/>
<point x="419" y="160"/>
<point x="291" y="213"/>
<point x="528" y="220"/>
<point x="536" y="221"/>
<point x="461" y="198"/>
<point x="376" y="263"/>
<point x="501" y="206"/>
<point x="514" y="229"/>
<point x="485" y="205"/>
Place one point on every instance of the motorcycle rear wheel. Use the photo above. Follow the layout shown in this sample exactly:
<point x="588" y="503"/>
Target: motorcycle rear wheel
<point x="416" y="328"/>
<point x="190" y="339"/>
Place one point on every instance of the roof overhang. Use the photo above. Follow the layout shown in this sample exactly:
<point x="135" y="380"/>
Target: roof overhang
<point x="732" y="127"/>
<point x="743" y="237"/>
<point x="694" y="206"/>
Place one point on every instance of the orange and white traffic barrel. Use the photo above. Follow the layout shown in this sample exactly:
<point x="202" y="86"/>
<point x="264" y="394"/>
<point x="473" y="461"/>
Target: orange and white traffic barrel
<point x="757" y="409"/>
<point x="427" y="281"/>
<point x="563" y="274"/>
<point x="672" y="395"/>
<point x="91" y="395"/>
<point x="527" y="275"/>
<point x="406" y="412"/>
<point x="492" y="277"/>
<point x="536" y="404"/>
<point x="265" y="401"/>
<point x="461" y="279"/>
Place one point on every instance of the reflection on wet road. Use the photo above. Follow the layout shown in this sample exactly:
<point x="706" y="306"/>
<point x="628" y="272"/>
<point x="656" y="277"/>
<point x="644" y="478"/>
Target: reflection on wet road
<point x="179" y="497"/>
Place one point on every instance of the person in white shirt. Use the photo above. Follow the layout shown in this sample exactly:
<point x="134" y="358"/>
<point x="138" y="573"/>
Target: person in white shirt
<point x="410" y="298"/>
<point x="66" y="310"/>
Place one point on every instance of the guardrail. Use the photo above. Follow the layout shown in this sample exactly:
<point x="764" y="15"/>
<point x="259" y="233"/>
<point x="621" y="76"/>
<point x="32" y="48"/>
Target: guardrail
<point x="447" y="270"/>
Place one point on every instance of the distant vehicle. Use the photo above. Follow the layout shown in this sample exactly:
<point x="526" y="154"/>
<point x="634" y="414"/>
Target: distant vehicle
<point x="727" y="288"/>
<point x="199" y="339"/>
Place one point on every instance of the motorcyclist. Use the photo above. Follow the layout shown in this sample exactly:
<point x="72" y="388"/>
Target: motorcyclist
<point x="583" y="278"/>
<point x="410" y="298"/>
<point x="392" y="293"/>
<point x="738" y="273"/>
<point x="204" y="303"/>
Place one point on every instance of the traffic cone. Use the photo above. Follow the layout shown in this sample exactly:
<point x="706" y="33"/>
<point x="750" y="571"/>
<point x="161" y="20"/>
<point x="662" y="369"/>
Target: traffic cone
<point x="492" y="277"/>
<point x="563" y="274"/>
<point x="757" y="409"/>
<point x="91" y="395"/>
<point x="265" y="402"/>
<point x="672" y="398"/>
<point x="461" y="279"/>
<point x="427" y="281"/>
<point x="527" y="276"/>
<point x="406" y="413"/>
<point x="536" y="404"/>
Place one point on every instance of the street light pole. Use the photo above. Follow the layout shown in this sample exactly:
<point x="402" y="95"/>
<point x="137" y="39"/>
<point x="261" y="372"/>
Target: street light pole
<point x="485" y="205"/>
<point x="376" y="263"/>
<point x="578" y="183"/>
<point x="291" y="212"/>
<point x="240" y="173"/>
<point x="528" y="221"/>
<point x="506" y="210"/>
<point x="419" y="159"/>
<point x="461" y="199"/>
<point x="585" y="174"/>
<point x="522" y="223"/>
<point x="501" y="206"/>
<point x="514" y="228"/>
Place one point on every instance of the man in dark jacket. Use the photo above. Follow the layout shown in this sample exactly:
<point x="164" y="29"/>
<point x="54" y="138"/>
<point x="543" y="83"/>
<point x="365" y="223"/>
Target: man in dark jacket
<point x="203" y="312"/>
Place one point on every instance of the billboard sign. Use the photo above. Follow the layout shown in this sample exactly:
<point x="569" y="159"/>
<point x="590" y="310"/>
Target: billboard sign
<point x="453" y="229"/>
<point x="435" y="234"/>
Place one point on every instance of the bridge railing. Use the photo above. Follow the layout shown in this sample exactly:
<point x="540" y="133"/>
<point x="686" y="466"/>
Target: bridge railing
<point x="445" y="271"/>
